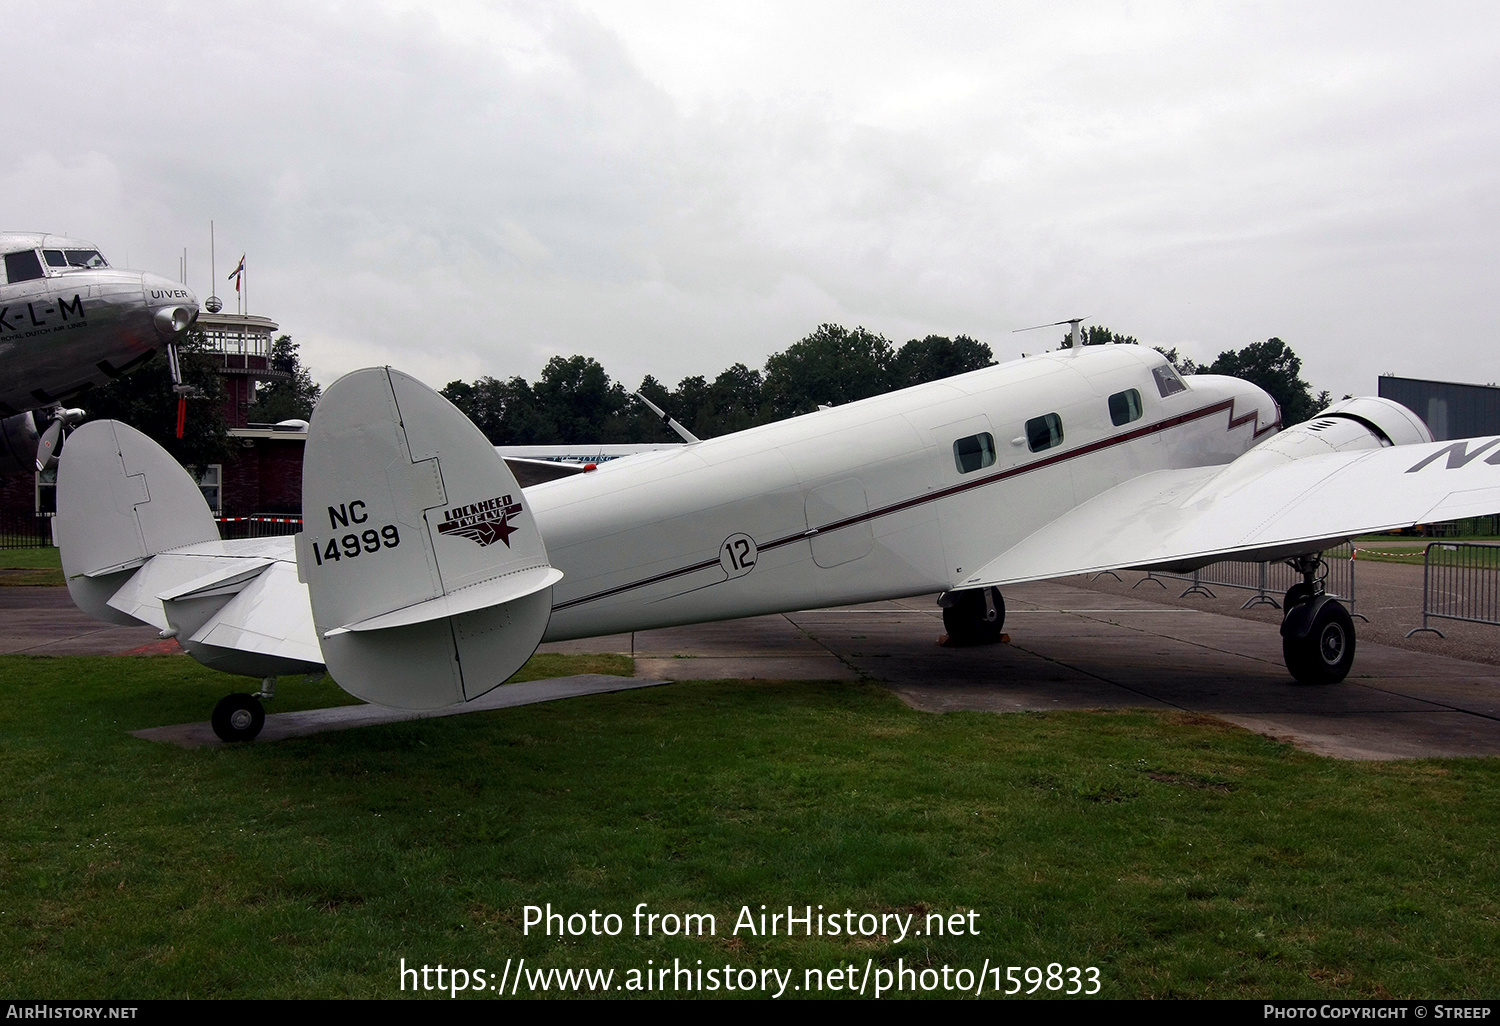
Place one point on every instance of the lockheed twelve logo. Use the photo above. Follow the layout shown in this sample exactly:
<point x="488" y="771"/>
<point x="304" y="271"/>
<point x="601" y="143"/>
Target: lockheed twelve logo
<point x="484" y="522"/>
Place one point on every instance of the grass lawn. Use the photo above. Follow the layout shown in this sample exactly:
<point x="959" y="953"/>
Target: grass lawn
<point x="1180" y="856"/>
<point x="1384" y="548"/>
<point x="30" y="567"/>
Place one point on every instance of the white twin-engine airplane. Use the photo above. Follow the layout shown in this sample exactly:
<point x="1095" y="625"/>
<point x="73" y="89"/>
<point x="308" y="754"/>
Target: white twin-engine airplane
<point x="425" y="577"/>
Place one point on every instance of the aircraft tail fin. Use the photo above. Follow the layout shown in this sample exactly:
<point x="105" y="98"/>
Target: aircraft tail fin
<point x="429" y="581"/>
<point x="121" y="499"/>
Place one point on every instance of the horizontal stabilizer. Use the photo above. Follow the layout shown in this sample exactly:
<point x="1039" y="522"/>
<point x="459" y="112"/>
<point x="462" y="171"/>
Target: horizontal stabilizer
<point x="512" y="586"/>
<point x="428" y="580"/>
<point x="226" y="580"/>
<point x="264" y="630"/>
<point x="140" y="597"/>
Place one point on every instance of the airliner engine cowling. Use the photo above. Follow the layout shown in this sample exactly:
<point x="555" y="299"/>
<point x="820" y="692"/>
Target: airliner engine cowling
<point x="1399" y="425"/>
<point x="1353" y="425"/>
<point x="428" y="579"/>
<point x="18" y="442"/>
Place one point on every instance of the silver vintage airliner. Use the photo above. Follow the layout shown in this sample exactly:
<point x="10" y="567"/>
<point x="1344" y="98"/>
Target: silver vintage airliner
<point x="68" y="322"/>
<point x="425" y="576"/>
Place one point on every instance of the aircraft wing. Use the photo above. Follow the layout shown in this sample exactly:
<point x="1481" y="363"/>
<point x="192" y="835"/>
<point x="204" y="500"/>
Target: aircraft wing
<point x="1256" y="510"/>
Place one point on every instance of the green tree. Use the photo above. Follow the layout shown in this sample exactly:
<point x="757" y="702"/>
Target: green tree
<point x="935" y="357"/>
<point x="1183" y="364"/>
<point x="833" y="365"/>
<point x="733" y="401"/>
<point x="276" y="401"/>
<point x="146" y="402"/>
<point x="1099" y="335"/>
<point x="578" y="398"/>
<point x="1274" y="367"/>
<point x="506" y="412"/>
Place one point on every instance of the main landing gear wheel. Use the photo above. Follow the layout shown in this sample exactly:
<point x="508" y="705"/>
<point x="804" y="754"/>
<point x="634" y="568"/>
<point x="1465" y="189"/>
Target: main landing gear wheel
<point x="1296" y="595"/>
<point x="238" y="718"/>
<point x="1325" y="653"/>
<point x="974" y="617"/>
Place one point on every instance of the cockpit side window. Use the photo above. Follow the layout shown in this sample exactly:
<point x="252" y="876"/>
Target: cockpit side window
<point x="85" y="258"/>
<point x="23" y="266"/>
<point x="54" y="258"/>
<point x="1167" y="381"/>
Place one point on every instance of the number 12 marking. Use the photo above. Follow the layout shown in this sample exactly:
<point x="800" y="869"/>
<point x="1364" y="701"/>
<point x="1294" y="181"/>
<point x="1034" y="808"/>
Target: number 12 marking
<point x="737" y="555"/>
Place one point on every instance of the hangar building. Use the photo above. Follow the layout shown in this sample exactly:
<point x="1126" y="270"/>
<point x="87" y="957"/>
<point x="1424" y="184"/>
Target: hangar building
<point x="1450" y="408"/>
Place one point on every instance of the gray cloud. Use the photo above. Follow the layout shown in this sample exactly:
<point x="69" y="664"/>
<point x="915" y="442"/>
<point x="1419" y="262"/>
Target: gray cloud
<point x="672" y="188"/>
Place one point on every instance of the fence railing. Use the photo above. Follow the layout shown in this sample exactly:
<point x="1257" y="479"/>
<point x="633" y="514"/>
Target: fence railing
<point x="264" y="526"/>
<point x="1460" y="581"/>
<point x="25" y="530"/>
<point x="1269" y="580"/>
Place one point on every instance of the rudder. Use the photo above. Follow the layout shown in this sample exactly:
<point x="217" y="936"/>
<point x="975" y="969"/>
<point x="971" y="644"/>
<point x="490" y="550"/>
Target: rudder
<point x="429" y="582"/>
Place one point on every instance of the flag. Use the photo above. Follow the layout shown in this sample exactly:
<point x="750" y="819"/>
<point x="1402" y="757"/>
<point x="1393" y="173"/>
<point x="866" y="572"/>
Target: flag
<point x="235" y="274"/>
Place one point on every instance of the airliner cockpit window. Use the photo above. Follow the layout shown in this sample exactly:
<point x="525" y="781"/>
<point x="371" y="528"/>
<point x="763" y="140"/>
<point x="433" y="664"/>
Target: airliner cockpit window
<point x="974" y="453"/>
<point x="23" y="266"/>
<point x="86" y="258"/>
<point x="1167" y="381"/>
<point x="54" y="258"/>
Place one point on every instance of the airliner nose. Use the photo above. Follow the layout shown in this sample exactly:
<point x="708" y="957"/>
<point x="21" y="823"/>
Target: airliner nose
<point x="174" y="306"/>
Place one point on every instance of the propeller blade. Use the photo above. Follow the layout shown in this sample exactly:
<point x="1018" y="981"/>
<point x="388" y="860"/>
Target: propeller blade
<point x="47" y="448"/>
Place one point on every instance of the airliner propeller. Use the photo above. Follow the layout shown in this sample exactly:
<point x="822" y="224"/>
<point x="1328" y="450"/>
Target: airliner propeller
<point x="52" y="439"/>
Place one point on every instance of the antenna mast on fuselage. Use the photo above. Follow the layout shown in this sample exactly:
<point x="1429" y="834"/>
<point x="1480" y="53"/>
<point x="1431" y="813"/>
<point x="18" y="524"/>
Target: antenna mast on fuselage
<point x="1075" y="338"/>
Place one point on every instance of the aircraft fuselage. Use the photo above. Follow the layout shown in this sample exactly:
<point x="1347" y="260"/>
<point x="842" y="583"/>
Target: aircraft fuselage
<point x="897" y="495"/>
<point x="66" y="327"/>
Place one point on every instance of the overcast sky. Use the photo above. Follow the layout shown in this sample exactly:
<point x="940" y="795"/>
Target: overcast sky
<point x="674" y="187"/>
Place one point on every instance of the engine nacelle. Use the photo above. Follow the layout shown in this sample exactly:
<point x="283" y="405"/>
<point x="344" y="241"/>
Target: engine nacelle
<point x="1348" y="426"/>
<point x="18" y="442"/>
<point x="1394" y="422"/>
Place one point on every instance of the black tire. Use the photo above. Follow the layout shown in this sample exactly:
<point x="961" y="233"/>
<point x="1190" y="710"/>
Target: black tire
<point x="970" y="621"/>
<point x="1297" y="594"/>
<point x="1326" y="653"/>
<point x="238" y="718"/>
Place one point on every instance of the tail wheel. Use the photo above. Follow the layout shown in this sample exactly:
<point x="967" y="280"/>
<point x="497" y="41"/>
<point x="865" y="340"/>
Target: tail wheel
<point x="238" y="718"/>
<point x="1326" y="652"/>
<point x="975" y="617"/>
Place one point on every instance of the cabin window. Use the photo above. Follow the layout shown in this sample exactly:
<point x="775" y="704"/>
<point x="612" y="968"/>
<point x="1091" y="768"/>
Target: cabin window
<point x="54" y="258"/>
<point x="1044" y="432"/>
<point x="974" y="453"/>
<point x="23" y="266"/>
<point x="1125" y="406"/>
<point x="1167" y="381"/>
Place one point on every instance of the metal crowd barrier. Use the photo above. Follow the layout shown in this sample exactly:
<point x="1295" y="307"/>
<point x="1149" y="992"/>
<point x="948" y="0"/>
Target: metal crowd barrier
<point x="1268" y="580"/>
<point x="257" y="526"/>
<point x="1460" y="581"/>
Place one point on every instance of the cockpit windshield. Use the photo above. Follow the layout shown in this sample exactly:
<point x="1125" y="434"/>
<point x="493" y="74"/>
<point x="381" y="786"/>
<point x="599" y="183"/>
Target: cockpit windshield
<point x="65" y="258"/>
<point x="1167" y="381"/>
